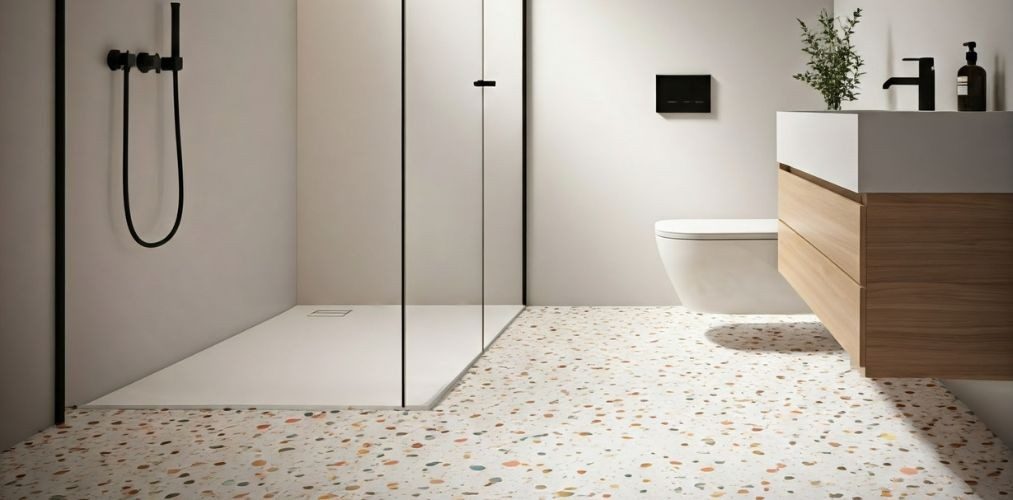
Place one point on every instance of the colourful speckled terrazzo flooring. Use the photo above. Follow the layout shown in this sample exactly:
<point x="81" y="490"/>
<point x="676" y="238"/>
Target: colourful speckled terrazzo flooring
<point x="569" y="402"/>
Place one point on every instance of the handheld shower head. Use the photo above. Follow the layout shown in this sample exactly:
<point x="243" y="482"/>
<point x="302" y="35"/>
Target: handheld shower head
<point x="175" y="30"/>
<point x="174" y="62"/>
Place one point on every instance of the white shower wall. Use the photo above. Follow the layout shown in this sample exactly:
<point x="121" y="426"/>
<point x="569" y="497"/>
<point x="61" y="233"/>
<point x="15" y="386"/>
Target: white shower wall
<point x="503" y="161"/>
<point x="26" y="219"/>
<point x="130" y="310"/>
<point x="443" y="152"/>
<point x="349" y="153"/>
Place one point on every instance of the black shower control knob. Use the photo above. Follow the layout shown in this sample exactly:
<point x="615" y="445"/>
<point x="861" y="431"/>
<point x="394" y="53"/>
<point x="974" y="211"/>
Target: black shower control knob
<point x="117" y="60"/>
<point x="147" y="62"/>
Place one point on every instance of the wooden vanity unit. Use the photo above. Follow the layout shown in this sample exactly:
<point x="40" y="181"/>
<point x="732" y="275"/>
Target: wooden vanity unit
<point x="902" y="242"/>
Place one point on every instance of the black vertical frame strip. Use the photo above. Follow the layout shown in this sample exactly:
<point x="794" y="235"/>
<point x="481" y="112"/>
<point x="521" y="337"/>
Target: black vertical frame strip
<point x="481" y="165"/>
<point x="524" y="152"/>
<point x="404" y="291"/>
<point x="59" y="213"/>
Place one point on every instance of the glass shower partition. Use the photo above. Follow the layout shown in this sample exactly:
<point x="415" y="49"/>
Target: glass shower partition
<point x="443" y="195"/>
<point x="353" y="234"/>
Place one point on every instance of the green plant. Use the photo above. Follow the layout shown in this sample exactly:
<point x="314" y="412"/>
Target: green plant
<point x="834" y="67"/>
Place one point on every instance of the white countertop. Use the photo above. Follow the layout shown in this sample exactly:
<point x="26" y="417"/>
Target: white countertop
<point x="901" y="151"/>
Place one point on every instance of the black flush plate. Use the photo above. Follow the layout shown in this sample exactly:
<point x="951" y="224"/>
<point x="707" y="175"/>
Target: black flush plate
<point x="683" y="94"/>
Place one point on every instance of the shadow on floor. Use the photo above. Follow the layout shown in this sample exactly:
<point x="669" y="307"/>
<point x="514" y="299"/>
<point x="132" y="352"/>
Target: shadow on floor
<point x="962" y="441"/>
<point x="774" y="337"/>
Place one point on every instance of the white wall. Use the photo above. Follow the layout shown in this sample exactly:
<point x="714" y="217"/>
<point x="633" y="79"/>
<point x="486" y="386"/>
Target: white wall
<point x="443" y="152"/>
<point x="503" y="162"/>
<point x="349" y="151"/>
<point x="937" y="28"/>
<point x="26" y="219"/>
<point x="130" y="310"/>
<point x="603" y="166"/>
<point x="896" y="29"/>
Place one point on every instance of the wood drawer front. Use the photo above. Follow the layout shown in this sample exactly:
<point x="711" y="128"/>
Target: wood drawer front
<point x="939" y="238"/>
<point x="940" y="330"/>
<point x="835" y="298"/>
<point x="827" y="220"/>
<point x="939" y="289"/>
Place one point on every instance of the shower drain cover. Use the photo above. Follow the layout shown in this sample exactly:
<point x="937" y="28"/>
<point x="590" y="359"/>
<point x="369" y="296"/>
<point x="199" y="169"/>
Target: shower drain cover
<point x="329" y="313"/>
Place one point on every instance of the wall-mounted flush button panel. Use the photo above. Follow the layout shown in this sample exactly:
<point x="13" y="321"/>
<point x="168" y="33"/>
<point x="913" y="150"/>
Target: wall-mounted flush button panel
<point x="683" y="94"/>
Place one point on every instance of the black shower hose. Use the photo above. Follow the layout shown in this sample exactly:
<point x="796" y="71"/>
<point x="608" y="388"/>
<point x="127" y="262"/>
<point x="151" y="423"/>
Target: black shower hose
<point x="126" y="164"/>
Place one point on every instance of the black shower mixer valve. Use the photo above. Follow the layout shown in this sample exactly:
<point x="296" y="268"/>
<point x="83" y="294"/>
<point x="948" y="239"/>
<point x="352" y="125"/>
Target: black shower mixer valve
<point x="143" y="61"/>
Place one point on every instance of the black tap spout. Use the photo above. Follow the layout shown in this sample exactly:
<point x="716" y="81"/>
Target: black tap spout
<point x="925" y="81"/>
<point x="901" y="80"/>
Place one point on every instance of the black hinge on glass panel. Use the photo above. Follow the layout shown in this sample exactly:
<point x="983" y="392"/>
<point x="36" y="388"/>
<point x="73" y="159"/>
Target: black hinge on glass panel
<point x="485" y="83"/>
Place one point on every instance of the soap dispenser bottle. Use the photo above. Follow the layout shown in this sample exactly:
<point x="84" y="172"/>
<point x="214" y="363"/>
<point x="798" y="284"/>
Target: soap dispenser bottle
<point x="971" y="83"/>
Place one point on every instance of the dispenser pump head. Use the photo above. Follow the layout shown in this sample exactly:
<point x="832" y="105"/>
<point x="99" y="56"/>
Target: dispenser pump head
<point x="972" y="56"/>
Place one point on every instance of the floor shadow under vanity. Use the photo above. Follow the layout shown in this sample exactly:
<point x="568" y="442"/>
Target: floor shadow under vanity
<point x="921" y="407"/>
<point x="773" y="337"/>
<point x="961" y="440"/>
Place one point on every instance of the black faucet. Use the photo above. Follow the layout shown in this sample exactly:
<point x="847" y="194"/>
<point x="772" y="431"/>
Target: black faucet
<point x="926" y="82"/>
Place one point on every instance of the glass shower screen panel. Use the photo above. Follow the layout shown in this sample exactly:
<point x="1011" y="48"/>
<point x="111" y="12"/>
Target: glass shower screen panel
<point x="443" y="195"/>
<point x="503" y="165"/>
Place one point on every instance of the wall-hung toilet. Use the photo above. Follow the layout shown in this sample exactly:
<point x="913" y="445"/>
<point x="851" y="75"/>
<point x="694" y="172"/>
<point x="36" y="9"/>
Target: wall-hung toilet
<point x="726" y="266"/>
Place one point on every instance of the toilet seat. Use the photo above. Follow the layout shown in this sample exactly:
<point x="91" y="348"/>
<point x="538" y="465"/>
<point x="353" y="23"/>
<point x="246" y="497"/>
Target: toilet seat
<point x="717" y="229"/>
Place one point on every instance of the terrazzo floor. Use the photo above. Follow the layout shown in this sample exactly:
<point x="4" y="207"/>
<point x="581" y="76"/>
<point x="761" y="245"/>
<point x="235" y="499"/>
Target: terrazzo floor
<point x="569" y="402"/>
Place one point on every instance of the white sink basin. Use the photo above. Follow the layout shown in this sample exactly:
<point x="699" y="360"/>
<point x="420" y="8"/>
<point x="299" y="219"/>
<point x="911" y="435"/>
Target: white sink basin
<point x="901" y="151"/>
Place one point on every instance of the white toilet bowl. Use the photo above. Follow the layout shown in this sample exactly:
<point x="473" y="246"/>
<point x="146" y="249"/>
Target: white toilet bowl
<point x="726" y="266"/>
